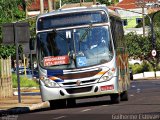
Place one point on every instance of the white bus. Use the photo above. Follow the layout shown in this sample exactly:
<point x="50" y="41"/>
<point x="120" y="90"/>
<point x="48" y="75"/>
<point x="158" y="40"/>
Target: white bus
<point x="81" y="53"/>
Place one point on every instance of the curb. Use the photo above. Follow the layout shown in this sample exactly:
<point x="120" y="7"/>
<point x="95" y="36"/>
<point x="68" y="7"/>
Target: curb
<point x="27" y="109"/>
<point x="39" y="106"/>
<point x="26" y="93"/>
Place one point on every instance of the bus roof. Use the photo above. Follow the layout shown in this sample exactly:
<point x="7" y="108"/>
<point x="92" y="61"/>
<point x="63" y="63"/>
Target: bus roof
<point x="77" y="9"/>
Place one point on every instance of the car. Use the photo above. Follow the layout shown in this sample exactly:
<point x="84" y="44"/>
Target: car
<point x="35" y="74"/>
<point x="135" y="62"/>
<point x="22" y="70"/>
<point x="29" y="74"/>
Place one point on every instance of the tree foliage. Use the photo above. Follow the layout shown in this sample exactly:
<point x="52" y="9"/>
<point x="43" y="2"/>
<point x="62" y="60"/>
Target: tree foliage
<point x="141" y="47"/>
<point x="138" y="46"/>
<point x="10" y="10"/>
<point x="6" y="51"/>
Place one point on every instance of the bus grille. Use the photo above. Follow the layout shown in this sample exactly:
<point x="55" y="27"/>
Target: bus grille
<point x="74" y="83"/>
<point x="79" y="90"/>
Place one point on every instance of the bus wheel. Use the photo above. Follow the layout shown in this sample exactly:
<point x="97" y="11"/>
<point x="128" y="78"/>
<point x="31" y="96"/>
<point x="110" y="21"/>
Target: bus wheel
<point x="124" y="96"/>
<point x="115" y="98"/>
<point x="71" y="103"/>
<point x="54" y="104"/>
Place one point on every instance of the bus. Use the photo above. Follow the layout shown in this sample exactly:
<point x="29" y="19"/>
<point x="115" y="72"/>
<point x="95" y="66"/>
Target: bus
<point x="81" y="53"/>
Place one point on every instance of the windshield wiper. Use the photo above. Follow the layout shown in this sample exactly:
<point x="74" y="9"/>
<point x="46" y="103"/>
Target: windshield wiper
<point x="86" y="32"/>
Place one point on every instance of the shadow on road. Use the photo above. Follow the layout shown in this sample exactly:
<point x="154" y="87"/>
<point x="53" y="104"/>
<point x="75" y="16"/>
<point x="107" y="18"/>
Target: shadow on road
<point x="14" y="111"/>
<point x="94" y="103"/>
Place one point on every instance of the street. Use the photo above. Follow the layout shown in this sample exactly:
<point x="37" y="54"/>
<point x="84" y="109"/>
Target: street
<point x="143" y="104"/>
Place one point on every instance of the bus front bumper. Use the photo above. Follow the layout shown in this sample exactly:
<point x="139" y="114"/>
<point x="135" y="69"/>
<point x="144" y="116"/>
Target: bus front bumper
<point x="98" y="89"/>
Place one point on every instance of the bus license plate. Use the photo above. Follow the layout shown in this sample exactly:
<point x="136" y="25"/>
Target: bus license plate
<point x="107" y="87"/>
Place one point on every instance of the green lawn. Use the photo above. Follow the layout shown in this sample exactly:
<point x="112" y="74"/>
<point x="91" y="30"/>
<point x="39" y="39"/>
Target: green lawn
<point x="24" y="82"/>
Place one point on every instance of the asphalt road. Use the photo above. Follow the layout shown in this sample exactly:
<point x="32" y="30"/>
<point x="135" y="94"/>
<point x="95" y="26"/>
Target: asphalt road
<point x="143" y="104"/>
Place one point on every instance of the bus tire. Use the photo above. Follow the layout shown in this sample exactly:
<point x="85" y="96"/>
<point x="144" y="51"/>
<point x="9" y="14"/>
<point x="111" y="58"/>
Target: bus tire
<point x="124" y="96"/>
<point x="71" y="103"/>
<point x="115" y="98"/>
<point x="54" y="104"/>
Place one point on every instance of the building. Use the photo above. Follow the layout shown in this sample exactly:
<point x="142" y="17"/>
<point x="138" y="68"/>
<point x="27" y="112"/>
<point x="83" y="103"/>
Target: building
<point x="34" y="7"/>
<point x="132" y="19"/>
<point x="86" y="4"/>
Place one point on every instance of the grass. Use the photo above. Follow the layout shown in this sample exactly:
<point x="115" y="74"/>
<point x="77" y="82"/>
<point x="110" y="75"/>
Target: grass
<point x="24" y="82"/>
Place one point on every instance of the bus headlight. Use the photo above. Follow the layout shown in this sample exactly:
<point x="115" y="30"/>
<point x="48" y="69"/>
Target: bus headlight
<point x="50" y="83"/>
<point x="107" y="76"/>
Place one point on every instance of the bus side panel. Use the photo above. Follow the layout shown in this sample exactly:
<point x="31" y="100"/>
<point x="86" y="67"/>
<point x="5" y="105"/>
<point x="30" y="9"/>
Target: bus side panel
<point x="121" y="54"/>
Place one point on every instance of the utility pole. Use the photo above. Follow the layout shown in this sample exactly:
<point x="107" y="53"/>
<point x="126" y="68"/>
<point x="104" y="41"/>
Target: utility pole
<point x="154" y="44"/>
<point x="152" y="31"/>
<point x="26" y="10"/>
<point x="94" y="2"/>
<point x="81" y="2"/>
<point x="50" y="5"/>
<point x="142" y="4"/>
<point x="60" y="3"/>
<point x="41" y="6"/>
<point x="54" y="5"/>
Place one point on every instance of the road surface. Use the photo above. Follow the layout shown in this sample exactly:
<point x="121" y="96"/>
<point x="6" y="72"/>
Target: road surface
<point x="143" y="104"/>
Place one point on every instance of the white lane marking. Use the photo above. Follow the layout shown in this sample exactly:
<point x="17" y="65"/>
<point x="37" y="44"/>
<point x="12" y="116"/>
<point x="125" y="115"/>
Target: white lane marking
<point x="105" y="105"/>
<point x="133" y="86"/>
<point x="85" y="110"/>
<point x="59" y="117"/>
<point x="138" y="89"/>
<point x="131" y="95"/>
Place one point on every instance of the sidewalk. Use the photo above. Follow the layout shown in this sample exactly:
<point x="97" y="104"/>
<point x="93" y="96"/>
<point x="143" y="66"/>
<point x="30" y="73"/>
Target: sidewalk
<point x="147" y="75"/>
<point x="30" y="100"/>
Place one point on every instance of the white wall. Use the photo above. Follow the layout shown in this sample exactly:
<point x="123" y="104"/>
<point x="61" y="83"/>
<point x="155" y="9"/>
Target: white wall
<point x="137" y="30"/>
<point x="146" y="75"/>
<point x="124" y="13"/>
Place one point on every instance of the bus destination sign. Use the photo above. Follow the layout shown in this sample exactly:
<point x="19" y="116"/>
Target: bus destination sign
<point x="59" y="60"/>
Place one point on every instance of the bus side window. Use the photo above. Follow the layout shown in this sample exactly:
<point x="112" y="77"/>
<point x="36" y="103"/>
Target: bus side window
<point x="120" y="33"/>
<point x="113" y="28"/>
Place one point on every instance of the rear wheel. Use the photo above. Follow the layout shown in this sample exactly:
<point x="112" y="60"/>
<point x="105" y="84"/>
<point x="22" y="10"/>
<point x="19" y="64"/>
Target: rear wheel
<point x="124" y="96"/>
<point x="115" y="98"/>
<point x="71" y="102"/>
<point x="54" y="104"/>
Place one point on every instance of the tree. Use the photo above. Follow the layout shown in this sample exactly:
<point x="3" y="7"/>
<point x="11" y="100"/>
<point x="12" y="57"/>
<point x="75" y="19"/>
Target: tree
<point x="106" y="2"/>
<point x="141" y="47"/>
<point x="10" y="10"/>
<point x="138" y="46"/>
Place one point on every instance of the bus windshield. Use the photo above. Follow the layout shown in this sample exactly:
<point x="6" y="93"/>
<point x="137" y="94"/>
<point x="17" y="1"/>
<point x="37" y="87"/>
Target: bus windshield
<point x="75" y="48"/>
